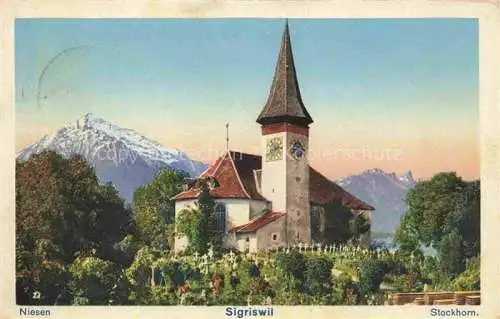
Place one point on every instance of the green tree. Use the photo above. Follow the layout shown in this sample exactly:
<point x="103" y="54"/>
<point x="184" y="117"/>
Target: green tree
<point x="199" y="224"/>
<point x="61" y="211"/>
<point x="466" y="219"/>
<point x="407" y="235"/>
<point x="452" y="254"/>
<point x="341" y="225"/>
<point x="443" y="212"/>
<point x="429" y="204"/>
<point x="188" y="224"/>
<point x="358" y="225"/>
<point x="154" y="208"/>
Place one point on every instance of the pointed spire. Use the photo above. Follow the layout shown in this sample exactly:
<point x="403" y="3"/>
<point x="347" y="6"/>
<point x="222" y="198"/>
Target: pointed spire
<point x="284" y="103"/>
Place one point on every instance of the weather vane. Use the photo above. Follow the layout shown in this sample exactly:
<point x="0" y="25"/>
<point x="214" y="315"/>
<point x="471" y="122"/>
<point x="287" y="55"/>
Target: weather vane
<point x="227" y="136"/>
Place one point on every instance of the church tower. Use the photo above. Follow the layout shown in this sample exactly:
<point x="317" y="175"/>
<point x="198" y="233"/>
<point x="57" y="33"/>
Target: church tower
<point x="285" y="143"/>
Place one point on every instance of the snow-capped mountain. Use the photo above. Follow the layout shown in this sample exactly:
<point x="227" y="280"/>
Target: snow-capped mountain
<point x="119" y="155"/>
<point x="384" y="191"/>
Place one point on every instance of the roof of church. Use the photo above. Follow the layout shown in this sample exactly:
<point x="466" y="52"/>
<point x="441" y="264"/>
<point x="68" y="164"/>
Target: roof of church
<point x="284" y="103"/>
<point x="257" y="222"/>
<point x="235" y="173"/>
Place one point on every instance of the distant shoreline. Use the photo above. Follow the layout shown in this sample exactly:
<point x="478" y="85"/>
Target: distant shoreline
<point x="381" y="235"/>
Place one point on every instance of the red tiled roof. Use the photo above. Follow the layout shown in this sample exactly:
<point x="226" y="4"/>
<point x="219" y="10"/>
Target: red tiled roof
<point x="257" y="222"/>
<point x="323" y="191"/>
<point x="235" y="173"/>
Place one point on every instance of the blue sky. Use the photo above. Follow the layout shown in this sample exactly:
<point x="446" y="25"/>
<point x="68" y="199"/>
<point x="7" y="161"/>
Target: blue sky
<point x="364" y="81"/>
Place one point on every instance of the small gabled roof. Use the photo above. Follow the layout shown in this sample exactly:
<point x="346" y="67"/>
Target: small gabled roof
<point x="284" y="103"/>
<point x="258" y="222"/>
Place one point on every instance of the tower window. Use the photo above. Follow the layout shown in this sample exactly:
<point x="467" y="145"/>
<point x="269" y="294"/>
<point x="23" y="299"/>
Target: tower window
<point x="275" y="236"/>
<point x="220" y="212"/>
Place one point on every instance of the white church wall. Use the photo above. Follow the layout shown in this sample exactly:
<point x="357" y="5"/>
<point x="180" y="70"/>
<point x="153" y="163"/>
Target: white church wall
<point x="237" y="213"/>
<point x="246" y="241"/>
<point x="237" y="210"/>
<point x="273" y="183"/>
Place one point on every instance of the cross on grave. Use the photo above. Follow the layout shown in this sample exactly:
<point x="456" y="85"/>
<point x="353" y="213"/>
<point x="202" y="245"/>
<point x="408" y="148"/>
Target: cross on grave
<point x="300" y="247"/>
<point x="319" y="247"/>
<point x="269" y="301"/>
<point x="305" y="247"/>
<point x="196" y="255"/>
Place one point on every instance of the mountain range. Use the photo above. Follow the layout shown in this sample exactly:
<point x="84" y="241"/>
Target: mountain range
<point x="118" y="155"/>
<point x="384" y="191"/>
<point x="130" y="160"/>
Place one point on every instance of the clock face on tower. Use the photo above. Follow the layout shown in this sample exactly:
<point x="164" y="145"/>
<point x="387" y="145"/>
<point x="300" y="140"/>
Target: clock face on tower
<point x="297" y="150"/>
<point x="274" y="149"/>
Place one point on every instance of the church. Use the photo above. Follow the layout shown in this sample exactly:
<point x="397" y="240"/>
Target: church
<point x="267" y="202"/>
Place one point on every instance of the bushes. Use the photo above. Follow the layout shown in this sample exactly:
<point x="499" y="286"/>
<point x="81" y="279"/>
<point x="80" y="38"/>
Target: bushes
<point x="293" y="263"/>
<point x="343" y="290"/>
<point x="275" y="281"/>
<point x="139" y="276"/>
<point x="97" y="282"/>
<point x="318" y="276"/>
<point x="371" y="275"/>
<point x="470" y="278"/>
<point x="259" y="286"/>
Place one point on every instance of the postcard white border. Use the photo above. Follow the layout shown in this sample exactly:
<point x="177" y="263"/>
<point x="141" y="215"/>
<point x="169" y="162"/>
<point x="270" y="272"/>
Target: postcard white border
<point x="488" y="13"/>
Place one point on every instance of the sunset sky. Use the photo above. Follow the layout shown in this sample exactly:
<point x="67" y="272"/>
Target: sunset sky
<point x="396" y="94"/>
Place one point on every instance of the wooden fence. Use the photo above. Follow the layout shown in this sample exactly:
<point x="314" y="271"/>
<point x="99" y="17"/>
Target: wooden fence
<point x="436" y="298"/>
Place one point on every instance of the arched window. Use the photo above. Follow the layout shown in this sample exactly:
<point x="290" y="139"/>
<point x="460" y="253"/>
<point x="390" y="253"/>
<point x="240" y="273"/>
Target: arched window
<point x="220" y="212"/>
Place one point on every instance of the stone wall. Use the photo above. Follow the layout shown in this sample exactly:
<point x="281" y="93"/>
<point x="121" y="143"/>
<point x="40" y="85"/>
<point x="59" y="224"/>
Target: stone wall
<point x="272" y="235"/>
<point x="297" y="192"/>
